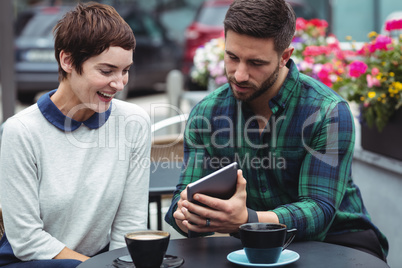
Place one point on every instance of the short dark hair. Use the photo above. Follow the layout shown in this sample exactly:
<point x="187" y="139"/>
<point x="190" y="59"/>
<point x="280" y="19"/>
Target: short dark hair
<point x="87" y="31"/>
<point x="263" y="19"/>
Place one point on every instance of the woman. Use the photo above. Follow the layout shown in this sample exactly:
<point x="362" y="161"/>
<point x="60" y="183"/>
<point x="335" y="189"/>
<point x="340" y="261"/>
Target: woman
<point x="73" y="179"/>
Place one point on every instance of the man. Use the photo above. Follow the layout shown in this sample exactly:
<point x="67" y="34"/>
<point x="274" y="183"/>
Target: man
<point x="292" y="137"/>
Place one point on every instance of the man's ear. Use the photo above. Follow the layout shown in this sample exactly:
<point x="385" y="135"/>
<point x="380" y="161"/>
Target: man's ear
<point x="286" y="56"/>
<point x="66" y="62"/>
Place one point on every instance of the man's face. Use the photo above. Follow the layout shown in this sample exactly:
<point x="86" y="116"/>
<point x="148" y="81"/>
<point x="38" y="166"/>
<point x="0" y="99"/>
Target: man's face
<point x="252" y="65"/>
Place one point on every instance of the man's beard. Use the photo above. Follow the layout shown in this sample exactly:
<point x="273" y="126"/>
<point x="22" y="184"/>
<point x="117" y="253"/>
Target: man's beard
<point x="256" y="91"/>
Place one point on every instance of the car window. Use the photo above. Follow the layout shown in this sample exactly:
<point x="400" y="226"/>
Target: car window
<point x="22" y="20"/>
<point x="145" y="26"/>
<point x="41" y="25"/>
<point x="154" y="31"/>
<point x="212" y="15"/>
<point x="136" y="25"/>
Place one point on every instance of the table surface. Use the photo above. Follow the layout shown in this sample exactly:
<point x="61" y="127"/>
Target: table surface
<point x="212" y="252"/>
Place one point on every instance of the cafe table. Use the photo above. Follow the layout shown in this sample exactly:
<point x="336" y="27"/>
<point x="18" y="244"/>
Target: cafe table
<point x="211" y="252"/>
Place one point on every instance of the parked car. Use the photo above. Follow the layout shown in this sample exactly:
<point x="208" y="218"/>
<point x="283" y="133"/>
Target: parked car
<point x="155" y="54"/>
<point x="37" y="70"/>
<point x="208" y="24"/>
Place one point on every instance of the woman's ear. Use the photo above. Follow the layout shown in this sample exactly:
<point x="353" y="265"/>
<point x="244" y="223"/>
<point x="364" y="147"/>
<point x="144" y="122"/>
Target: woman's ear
<point x="286" y="56"/>
<point x="66" y="62"/>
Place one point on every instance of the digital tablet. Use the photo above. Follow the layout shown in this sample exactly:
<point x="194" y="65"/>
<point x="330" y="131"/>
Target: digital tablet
<point x="220" y="184"/>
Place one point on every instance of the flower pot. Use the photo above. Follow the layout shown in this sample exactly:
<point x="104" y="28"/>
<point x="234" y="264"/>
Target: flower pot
<point x="388" y="142"/>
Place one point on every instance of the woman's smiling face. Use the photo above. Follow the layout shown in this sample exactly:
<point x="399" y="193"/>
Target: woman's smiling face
<point x="102" y="77"/>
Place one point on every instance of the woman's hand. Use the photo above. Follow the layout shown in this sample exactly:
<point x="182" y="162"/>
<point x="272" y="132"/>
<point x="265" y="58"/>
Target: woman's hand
<point x="67" y="253"/>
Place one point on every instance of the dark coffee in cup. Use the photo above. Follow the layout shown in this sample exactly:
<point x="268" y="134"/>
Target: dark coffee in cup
<point x="147" y="248"/>
<point x="264" y="242"/>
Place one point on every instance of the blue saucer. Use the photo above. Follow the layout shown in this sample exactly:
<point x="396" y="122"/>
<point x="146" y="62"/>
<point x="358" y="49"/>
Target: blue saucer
<point x="239" y="257"/>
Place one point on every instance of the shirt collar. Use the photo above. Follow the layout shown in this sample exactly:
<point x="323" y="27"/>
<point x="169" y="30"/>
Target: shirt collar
<point x="278" y="103"/>
<point x="59" y="120"/>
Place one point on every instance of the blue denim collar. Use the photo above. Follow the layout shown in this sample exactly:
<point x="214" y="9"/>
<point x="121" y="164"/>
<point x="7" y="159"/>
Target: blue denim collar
<point x="59" y="120"/>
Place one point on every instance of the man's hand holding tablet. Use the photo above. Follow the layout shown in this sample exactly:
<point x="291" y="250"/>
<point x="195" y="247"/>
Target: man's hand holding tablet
<point x="220" y="208"/>
<point x="220" y="184"/>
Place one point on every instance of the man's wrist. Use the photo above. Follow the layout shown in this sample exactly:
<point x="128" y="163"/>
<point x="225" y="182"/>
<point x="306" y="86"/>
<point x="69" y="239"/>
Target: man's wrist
<point x="252" y="216"/>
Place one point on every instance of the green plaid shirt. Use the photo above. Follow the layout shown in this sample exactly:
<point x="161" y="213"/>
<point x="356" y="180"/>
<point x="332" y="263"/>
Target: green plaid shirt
<point x="299" y="167"/>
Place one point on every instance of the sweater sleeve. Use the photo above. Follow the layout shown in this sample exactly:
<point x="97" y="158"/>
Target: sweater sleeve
<point x="19" y="184"/>
<point x="133" y="209"/>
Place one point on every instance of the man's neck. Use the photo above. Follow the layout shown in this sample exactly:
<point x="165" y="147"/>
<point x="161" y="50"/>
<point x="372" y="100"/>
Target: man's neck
<point x="260" y="106"/>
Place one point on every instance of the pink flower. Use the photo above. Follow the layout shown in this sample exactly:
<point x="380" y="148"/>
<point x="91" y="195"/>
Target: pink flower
<point x="315" y="51"/>
<point x="375" y="71"/>
<point x="332" y="41"/>
<point x="357" y="68"/>
<point x="372" y="81"/>
<point x="309" y="59"/>
<point x="393" y="25"/>
<point x="365" y="50"/>
<point x="323" y="75"/>
<point x="319" y="23"/>
<point x="381" y="43"/>
<point x="301" y="24"/>
<point x="329" y="67"/>
<point x="346" y="54"/>
<point x="220" y="80"/>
